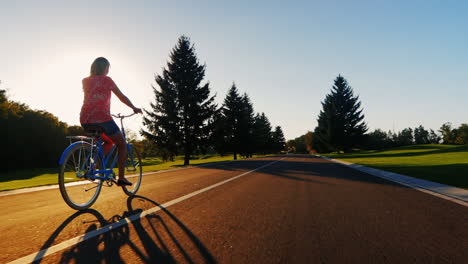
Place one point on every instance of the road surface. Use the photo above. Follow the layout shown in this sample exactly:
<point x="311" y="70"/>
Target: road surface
<point x="285" y="209"/>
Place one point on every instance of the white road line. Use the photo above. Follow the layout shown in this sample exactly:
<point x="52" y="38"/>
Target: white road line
<point x="73" y="241"/>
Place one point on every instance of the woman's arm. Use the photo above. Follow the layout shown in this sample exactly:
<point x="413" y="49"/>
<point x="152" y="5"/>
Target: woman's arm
<point x="124" y="99"/>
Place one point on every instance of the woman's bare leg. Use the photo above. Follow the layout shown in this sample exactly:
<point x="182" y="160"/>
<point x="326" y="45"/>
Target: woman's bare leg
<point x="119" y="141"/>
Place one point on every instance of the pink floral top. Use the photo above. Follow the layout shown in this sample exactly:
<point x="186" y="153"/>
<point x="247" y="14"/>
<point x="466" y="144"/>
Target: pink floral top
<point x="96" y="104"/>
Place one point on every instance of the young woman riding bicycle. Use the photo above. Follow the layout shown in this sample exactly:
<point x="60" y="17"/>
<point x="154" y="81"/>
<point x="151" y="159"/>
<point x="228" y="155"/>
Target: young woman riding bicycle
<point x="95" y="112"/>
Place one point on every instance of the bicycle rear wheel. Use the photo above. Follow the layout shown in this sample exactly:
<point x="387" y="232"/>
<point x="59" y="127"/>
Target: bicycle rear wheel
<point x="133" y="170"/>
<point x="77" y="190"/>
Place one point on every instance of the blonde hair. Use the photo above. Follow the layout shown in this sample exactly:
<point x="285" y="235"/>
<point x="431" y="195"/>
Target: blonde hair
<point x="99" y="66"/>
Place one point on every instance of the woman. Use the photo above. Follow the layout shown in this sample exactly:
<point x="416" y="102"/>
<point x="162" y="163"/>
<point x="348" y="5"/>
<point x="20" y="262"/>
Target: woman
<point x="95" y="111"/>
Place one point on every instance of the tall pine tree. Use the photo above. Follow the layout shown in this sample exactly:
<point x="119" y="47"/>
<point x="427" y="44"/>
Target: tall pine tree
<point x="262" y="134"/>
<point x="233" y="132"/>
<point x="279" y="142"/>
<point x="246" y="127"/>
<point x="162" y="120"/>
<point x="180" y="117"/>
<point x="219" y="137"/>
<point x="232" y="112"/>
<point x="340" y="123"/>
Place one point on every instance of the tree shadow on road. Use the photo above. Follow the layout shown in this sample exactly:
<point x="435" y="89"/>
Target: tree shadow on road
<point x="304" y="168"/>
<point x="157" y="237"/>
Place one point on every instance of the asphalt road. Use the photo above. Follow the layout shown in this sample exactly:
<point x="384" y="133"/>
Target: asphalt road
<point x="295" y="209"/>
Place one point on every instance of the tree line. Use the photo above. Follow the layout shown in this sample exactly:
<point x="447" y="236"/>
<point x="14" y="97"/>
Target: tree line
<point x="457" y="136"/>
<point x="184" y="119"/>
<point x="341" y="128"/>
<point x="301" y="144"/>
<point x="379" y="139"/>
<point x="30" y="138"/>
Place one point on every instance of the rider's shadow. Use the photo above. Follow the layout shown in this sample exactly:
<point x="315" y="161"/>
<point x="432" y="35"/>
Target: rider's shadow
<point x="158" y="237"/>
<point x="172" y="238"/>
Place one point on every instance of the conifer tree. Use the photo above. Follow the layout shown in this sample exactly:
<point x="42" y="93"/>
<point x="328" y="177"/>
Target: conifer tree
<point x="181" y="117"/>
<point x="219" y="136"/>
<point x="246" y="127"/>
<point x="341" y="123"/>
<point x="279" y="142"/>
<point x="262" y="134"/>
<point x="232" y="113"/>
<point x="234" y="125"/>
<point x="162" y="120"/>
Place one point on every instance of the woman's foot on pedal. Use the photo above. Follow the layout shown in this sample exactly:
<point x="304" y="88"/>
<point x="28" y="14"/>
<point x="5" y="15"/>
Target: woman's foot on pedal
<point x="123" y="181"/>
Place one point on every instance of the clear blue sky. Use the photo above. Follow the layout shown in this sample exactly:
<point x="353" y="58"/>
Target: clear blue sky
<point x="407" y="60"/>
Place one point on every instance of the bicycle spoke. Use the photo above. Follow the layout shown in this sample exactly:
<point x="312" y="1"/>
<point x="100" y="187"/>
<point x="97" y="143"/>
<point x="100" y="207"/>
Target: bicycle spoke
<point x="91" y="188"/>
<point x="74" y="161"/>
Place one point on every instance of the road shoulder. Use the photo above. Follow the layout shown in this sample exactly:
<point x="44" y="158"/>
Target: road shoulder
<point x="457" y="195"/>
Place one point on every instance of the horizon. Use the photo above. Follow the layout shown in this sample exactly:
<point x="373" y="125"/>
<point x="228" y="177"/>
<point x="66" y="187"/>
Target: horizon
<point x="405" y="61"/>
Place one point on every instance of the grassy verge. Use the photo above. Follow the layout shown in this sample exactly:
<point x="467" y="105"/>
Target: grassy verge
<point x="447" y="164"/>
<point x="37" y="177"/>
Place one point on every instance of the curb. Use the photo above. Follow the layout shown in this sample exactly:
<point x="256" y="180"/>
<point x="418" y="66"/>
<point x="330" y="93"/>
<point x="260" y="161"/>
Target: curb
<point x="458" y="195"/>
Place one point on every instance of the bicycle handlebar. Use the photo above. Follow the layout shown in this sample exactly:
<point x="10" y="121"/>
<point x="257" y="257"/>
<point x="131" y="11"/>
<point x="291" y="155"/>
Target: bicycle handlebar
<point x="119" y="115"/>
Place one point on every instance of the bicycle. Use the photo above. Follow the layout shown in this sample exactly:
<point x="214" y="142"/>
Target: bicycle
<point x="84" y="168"/>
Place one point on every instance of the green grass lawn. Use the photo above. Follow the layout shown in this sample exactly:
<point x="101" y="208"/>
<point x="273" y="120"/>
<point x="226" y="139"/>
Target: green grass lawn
<point x="447" y="164"/>
<point x="37" y="177"/>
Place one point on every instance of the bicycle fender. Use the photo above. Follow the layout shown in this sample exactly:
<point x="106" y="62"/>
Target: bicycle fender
<point x="65" y="152"/>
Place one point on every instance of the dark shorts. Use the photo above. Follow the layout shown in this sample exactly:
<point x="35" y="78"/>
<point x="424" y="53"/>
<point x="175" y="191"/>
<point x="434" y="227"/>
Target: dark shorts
<point x="110" y="128"/>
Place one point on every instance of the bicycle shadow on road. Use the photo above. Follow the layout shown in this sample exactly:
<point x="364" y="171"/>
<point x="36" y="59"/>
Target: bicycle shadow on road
<point x="170" y="235"/>
<point x="158" y="237"/>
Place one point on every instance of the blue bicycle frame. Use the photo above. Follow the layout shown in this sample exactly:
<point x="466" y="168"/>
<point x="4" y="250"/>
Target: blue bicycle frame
<point x="106" y="160"/>
<point x="86" y="163"/>
<point x="97" y="152"/>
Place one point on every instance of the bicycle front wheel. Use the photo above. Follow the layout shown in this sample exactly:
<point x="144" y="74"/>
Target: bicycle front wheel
<point x="78" y="191"/>
<point x="133" y="170"/>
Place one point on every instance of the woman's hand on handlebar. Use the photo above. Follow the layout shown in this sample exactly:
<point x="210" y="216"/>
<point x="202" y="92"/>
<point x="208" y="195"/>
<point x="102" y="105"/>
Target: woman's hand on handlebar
<point x="137" y="110"/>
